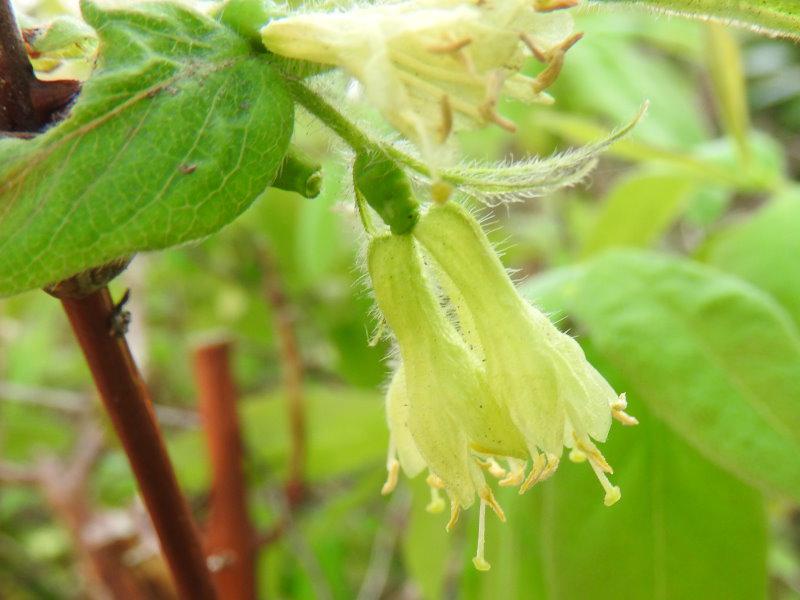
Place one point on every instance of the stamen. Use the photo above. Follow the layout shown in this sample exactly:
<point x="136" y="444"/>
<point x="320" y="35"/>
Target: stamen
<point x="531" y="45"/>
<point x="613" y="493"/>
<point x="487" y="497"/>
<point x="516" y="473"/>
<point x="434" y="481"/>
<point x="494" y="469"/>
<point x="552" y="465"/>
<point x="393" y="473"/>
<point x="618" y="411"/>
<point x="488" y="110"/>
<point x="455" y="511"/>
<point x="452" y="45"/>
<point x="554" y="59"/>
<point x="441" y="191"/>
<point x="538" y="466"/>
<point x="480" y="561"/>
<point x="446" y="125"/>
<point x="551" y="5"/>
<point x="593" y="454"/>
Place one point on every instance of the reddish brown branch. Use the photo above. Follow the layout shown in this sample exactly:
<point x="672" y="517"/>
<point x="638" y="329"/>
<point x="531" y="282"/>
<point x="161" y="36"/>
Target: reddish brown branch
<point x="16" y="76"/>
<point x="128" y="404"/>
<point x="292" y="368"/>
<point x="229" y="532"/>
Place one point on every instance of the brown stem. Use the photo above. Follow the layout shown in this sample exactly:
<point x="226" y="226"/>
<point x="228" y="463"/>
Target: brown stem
<point x="127" y="402"/>
<point x="229" y="532"/>
<point x="16" y="76"/>
<point x="292" y="368"/>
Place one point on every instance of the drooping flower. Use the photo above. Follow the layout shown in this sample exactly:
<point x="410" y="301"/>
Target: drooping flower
<point x="441" y="413"/>
<point x="485" y="381"/>
<point x="540" y="375"/>
<point x="432" y="65"/>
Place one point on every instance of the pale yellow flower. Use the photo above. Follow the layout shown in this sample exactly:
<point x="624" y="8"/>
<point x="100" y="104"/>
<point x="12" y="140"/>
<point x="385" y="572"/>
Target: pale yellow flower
<point x="432" y="65"/>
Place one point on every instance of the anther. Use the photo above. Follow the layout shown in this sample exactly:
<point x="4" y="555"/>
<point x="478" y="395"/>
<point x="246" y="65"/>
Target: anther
<point x="455" y="511"/>
<point x="450" y="46"/>
<point x="480" y="561"/>
<point x="446" y="126"/>
<point x="538" y="466"/>
<point x="494" y="469"/>
<point x="618" y="411"/>
<point x="516" y="473"/>
<point x="392" y="475"/>
<point x="551" y="5"/>
<point x="487" y="497"/>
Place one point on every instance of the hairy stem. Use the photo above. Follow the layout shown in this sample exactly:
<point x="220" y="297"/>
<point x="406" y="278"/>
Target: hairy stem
<point x="229" y="532"/>
<point x="127" y="402"/>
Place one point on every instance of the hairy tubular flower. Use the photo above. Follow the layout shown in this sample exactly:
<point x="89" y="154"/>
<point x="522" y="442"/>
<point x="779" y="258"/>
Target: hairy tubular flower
<point x="441" y="412"/>
<point x="540" y="375"/>
<point x="432" y="65"/>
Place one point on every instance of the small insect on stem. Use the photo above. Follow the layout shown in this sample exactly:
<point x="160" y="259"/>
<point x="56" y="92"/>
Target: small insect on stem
<point x="120" y="319"/>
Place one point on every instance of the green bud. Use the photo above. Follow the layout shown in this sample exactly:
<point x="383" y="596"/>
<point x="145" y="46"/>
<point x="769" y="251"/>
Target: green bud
<point x="247" y="17"/>
<point x="386" y="188"/>
<point x="300" y="174"/>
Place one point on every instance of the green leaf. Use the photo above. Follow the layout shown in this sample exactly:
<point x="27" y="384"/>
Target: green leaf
<point x="639" y="209"/>
<point x="764" y="250"/>
<point x="717" y="359"/>
<point x="684" y="528"/>
<point x="180" y="128"/>
<point x="769" y="17"/>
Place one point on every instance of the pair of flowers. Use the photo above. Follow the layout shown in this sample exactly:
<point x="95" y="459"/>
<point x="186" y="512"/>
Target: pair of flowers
<point x="485" y="377"/>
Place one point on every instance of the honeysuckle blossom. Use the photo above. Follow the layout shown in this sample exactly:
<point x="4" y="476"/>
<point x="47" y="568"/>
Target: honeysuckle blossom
<point x="540" y="375"/>
<point x="432" y="65"/>
<point x="485" y="381"/>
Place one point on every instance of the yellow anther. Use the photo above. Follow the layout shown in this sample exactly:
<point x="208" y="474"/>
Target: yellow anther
<point x="551" y="5"/>
<point x="495" y="470"/>
<point x="480" y="561"/>
<point x="487" y="497"/>
<point x="393" y="473"/>
<point x="554" y="59"/>
<point x="516" y="473"/>
<point x="592" y="453"/>
<point x="455" y="511"/>
<point x="618" y="412"/>
<point x="451" y="45"/>
<point x="538" y="466"/>
<point x="552" y="465"/>
<point x="488" y="110"/>
<point x="434" y="481"/>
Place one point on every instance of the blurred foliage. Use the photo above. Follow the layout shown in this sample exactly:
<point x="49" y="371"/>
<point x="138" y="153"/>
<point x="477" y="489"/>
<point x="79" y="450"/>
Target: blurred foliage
<point x="676" y="264"/>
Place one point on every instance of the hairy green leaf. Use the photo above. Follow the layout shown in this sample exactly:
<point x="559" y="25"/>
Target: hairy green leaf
<point x="769" y="17"/>
<point x="680" y="519"/>
<point x="179" y="129"/>
<point x="715" y="358"/>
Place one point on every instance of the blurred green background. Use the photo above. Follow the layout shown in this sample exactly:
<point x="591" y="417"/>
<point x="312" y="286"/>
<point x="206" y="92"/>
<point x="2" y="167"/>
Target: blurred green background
<point x="677" y="264"/>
